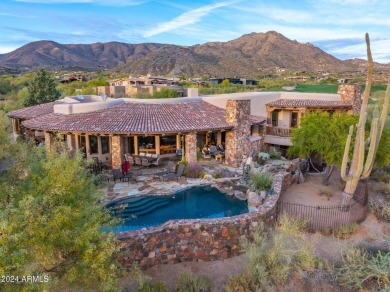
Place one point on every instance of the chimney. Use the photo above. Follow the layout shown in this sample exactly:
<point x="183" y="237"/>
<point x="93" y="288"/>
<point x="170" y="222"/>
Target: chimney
<point x="352" y="94"/>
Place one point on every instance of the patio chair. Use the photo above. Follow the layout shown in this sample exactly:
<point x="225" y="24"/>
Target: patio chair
<point x="142" y="154"/>
<point x="221" y="148"/>
<point x="213" y="150"/>
<point x="176" y="175"/>
<point x="138" y="161"/>
<point x="167" y="170"/>
<point x="155" y="156"/>
<point x="145" y="162"/>
<point x="117" y="174"/>
<point x="205" y="155"/>
<point x="148" y="155"/>
<point x="156" y="162"/>
<point x="131" y="160"/>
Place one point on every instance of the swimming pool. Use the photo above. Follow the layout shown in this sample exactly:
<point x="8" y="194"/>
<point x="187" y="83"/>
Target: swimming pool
<point x="193" y="203"/>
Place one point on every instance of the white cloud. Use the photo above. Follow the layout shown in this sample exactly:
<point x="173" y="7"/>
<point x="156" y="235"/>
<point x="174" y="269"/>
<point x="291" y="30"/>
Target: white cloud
<point x="187" y="18"/>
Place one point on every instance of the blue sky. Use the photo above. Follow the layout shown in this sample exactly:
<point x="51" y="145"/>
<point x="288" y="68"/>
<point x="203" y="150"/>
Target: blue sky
<point x="336" y="26"/>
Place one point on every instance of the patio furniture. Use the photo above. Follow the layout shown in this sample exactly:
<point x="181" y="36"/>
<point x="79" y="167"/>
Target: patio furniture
<point x="219" y="157"/>
<point x="138" y="161"/>
<point x="213" y="150"/>
<point x="205" y="155"/>
<point x="131" y="160"/>
<point x="156" y="162"/>
<point x="148" y="155"/>
<point x="117" y="174"/>
<point x="155" y="156"/>
<point x="221" y="148"/>
<point x="176" y="175"/>
<point x="167" y="170"/>
<point x="142" y="154"/>
<point x="145" y="162"/>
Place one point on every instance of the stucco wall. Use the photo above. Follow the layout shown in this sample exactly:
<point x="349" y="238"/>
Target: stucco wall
<point x="197" y="239"/>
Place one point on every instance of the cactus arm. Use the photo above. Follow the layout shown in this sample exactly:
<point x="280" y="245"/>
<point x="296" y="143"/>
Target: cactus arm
<point x="372" y="150"/>
<point x="358" y="172"/>
<point x="367" y="90"/>
<point x="344" y="175"/>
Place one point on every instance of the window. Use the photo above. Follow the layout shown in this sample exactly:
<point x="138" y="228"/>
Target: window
<point x="274" y="118"/>
<point x="93" y="144"/>
<point x="105" y="144"/>
<point x="294" y="120"/>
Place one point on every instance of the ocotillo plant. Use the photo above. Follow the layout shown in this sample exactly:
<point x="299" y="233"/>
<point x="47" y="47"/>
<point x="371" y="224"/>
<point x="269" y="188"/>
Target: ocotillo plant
<point x="361" y="166"/>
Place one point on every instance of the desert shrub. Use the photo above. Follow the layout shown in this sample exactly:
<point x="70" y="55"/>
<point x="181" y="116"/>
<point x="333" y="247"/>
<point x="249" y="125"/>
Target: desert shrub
<point x="194" y="170"/>
<point x="227" y="173"/>
<point x="325" y="191"/>
<point x="380" y="208"/>
<point x="238" y="283"/>
<point x="158" y="286"/>
<point x="345" y="231"/>
<point x="274" y="153"/>
<point x="260" y="181"/>
<point x="217" y="174"/>
<point x="273" y="258"/>
<point x="187" y="282"/>
<point x="382" y="188"/>
<point x="380" y="175"/>
<point x="360" y="269"/>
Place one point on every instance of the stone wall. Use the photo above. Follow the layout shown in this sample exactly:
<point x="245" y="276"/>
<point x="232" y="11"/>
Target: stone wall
<point x="190" y="147"/>
<point x="237" y="140"/>
<point x="197" y="239"/>
<point x="351" y="94"/>
<point x="116" y="155"/>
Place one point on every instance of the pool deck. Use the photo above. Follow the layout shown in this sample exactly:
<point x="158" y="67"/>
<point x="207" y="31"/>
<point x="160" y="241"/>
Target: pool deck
<point x="145" y="183"/>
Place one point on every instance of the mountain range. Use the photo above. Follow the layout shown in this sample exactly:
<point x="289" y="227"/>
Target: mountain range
<point x="244" y="56"/>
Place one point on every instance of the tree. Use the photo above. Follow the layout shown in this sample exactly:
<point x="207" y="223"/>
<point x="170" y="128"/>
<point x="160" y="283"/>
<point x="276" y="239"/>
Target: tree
<point x="323" y="134"/>
<point x="52" y="220"/>
<point x="41" y="90"/>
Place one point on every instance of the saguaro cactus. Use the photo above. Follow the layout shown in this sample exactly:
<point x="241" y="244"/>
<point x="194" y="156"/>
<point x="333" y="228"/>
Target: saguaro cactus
<point x="361" y="166"/>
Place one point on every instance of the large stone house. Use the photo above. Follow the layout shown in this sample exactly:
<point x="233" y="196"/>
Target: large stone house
<point x="108" y="128"/>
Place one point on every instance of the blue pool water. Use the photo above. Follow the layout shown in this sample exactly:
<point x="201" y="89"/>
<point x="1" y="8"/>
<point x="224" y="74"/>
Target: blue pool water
<point x="197" y="202"/>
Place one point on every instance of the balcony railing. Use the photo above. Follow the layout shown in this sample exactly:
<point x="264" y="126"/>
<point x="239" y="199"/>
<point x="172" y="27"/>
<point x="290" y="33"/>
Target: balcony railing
<point x="275" y="131"/>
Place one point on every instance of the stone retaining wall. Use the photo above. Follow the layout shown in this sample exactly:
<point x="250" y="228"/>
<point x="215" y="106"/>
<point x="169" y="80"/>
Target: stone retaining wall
<point x="197" y="239"/>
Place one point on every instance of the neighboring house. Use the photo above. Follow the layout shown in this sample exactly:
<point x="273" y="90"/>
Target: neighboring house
<point x="108" y="128"/>
<point x="131" y="86"/>
<point x="70" y="77"/>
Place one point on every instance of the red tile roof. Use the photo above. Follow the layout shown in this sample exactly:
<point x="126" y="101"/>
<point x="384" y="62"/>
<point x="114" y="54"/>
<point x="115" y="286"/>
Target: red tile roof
<point x="256" y="119"/>
<point x="309" y="103"/>
<point x="137" y="118"/>
<point x="33" y="111"/>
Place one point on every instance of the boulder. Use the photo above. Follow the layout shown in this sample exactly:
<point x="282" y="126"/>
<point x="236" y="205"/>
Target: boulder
<point x="240" y="195"/>
<point x="254" y="200"/>
<point x="207" y="177"/>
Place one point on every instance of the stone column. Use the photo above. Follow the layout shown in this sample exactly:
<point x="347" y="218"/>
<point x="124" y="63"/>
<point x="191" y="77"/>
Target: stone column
<point x="69" y="141"/>
<point x="135" y="145"/>
<point x="49" y="140"/>
<point x="237" y="139"/>
<point x="351" y="94"/>
<point x="190" y="147"/>
<point x="178" y="142"/>
<point x="219" y="138"/>
<point x="157" y="144"/>
<point x="76" y="141"/>
<point x="116" y="152"/>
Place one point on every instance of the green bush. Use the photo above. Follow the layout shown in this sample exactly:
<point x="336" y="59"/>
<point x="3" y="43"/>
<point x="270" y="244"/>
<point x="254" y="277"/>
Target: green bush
<point x="260" y="181"/>
<point x="273" y="258"/>
<point x="158" y="286"/>
<point x="187" y="282"/>
<point x="274" y="153"/>
<point x="238" y="283"/>
<point x="360" y="269"/>
<point x="325" y="191"/>
<point x="345" y="231"/>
